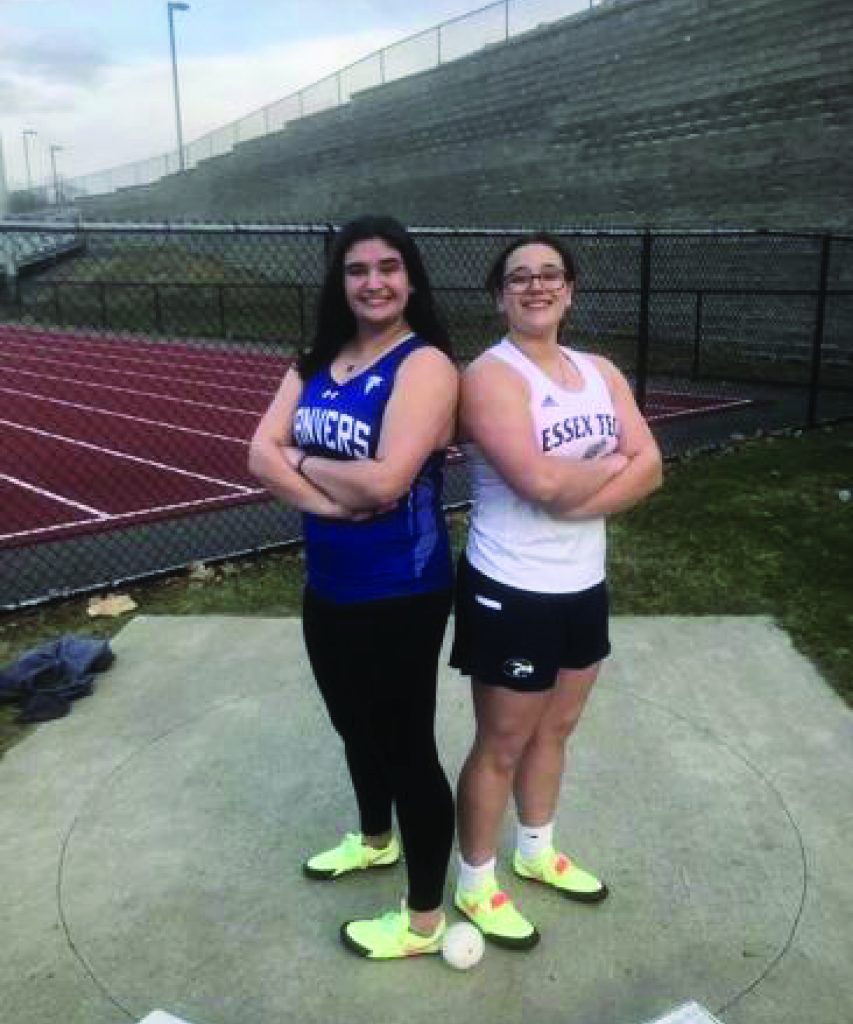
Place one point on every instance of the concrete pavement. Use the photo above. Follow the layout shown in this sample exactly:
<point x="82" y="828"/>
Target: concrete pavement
<point x="150" y="843"/>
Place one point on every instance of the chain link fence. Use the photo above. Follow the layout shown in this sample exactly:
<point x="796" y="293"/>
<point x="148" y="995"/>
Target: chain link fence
<point x="137" y="360"/>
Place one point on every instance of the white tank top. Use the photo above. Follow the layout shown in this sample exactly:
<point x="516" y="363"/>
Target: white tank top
<point x="517" y="542"/>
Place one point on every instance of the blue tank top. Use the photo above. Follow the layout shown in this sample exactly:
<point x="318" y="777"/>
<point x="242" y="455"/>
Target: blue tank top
<point x="401" y="552"/>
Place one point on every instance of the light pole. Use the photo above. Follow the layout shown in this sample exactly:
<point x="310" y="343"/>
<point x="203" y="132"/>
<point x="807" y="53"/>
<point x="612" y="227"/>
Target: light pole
<point x="54" y="149"/>
<point x="27" y="133"/>
<point x="172" y="7"/>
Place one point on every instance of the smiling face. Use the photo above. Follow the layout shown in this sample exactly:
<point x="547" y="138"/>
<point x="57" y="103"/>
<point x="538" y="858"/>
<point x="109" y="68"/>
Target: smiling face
<point x="535" y="295"/>
<point x="376" y="284"/>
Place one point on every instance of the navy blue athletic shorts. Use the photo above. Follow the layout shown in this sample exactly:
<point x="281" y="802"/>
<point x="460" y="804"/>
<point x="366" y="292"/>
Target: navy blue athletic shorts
<point x="521" y="639"/>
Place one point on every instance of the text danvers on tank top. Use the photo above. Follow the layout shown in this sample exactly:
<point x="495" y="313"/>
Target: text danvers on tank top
<point x="517" y="542"/>
<point x="401" y="552"/>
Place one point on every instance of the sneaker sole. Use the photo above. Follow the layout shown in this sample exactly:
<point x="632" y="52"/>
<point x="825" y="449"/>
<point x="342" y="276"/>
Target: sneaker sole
<point x="569" y="894"/>
<point x="504" y="941"/>
<point x="352" y="945"/>
<point x="328" y="875"/>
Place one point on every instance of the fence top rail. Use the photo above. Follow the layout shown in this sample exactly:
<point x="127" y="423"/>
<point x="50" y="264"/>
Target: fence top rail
<point x="79" y="226"/>
<point x="158" y="228"/>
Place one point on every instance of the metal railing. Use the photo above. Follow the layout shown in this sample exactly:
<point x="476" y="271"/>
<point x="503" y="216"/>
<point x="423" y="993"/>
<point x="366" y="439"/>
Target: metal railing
<point x="494" y="23"/>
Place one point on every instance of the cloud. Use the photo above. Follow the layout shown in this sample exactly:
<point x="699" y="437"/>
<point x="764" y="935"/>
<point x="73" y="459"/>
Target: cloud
<point x="126" y="112"/>
<point x="44" y="73"/>
<point x="56" y="60"/>
<point x="34" y="62"/>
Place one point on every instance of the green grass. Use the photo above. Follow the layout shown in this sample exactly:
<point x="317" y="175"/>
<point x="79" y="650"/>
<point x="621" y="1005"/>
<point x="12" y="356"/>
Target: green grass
<point x="758" y="529"/>
<point x="755" y="529"/>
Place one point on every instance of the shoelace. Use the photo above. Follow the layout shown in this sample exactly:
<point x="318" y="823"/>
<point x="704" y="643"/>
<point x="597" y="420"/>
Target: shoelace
<point x="396" y="920"/>
<point x="352" y="843"/>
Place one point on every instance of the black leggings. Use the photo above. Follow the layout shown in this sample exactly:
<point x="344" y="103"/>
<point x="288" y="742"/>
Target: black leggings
<point x="376" y="665"/>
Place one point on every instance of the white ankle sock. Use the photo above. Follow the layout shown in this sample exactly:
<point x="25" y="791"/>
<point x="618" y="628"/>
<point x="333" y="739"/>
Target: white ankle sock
<point x="531" y="840"/>
<point x="473" y="877"/>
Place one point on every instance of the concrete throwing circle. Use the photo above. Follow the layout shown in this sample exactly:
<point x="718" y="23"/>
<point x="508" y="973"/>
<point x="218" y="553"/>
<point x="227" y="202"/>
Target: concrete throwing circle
<point x="180" y="885"/>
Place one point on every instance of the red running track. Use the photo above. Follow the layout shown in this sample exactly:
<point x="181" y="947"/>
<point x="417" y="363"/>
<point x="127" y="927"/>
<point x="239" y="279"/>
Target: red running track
<point x="106" y="432"/>
<point x="100" y="432"/>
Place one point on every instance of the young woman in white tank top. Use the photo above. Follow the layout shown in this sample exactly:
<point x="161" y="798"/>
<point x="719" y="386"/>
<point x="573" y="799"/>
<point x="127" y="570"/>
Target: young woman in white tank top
<point x="557" y="444"/>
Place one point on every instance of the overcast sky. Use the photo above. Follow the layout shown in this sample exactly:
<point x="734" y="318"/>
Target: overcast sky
<point x="94" y="76"/>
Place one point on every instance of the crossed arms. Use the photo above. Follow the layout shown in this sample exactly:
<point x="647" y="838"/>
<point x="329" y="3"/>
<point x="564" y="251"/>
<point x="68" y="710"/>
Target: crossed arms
<point x="495" y="414"/>
<point x="419" y="418"/>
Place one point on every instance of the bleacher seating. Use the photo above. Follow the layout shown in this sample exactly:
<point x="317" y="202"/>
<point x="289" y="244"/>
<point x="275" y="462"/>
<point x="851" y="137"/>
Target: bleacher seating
<point x="663" y="112"/>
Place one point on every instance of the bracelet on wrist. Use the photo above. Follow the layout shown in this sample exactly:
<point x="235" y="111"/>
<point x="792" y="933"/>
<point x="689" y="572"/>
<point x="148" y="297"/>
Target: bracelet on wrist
<point x="300" y="462"/>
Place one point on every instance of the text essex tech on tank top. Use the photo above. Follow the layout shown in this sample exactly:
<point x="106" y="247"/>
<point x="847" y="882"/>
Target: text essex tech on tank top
<point x="401" y="552"/>
<point x="517" y="542"/>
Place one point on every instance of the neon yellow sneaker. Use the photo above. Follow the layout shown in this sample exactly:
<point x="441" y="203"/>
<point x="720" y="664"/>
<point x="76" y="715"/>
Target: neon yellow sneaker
<point x="352" y="854"/>
<point x="389" y="937"/>
<point x="494" y="913"/>
<point x="561" y="873"/>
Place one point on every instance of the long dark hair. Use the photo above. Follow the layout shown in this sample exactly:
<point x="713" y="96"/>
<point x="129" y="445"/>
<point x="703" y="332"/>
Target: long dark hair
<point x="497" y="272"/>
<point x="336" y="324"/>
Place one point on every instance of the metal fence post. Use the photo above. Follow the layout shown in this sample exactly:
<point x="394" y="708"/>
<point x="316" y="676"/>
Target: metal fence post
<point x="220" y="296"/>
<point x="302" y="341"/>
<point x="158" y="309"/>
<point x="817" y="339"/>
<point x="13" y="288"/>
<point x="328" y="242"/>
<point x="642" y="371"/>
<point x="697" y="335"/>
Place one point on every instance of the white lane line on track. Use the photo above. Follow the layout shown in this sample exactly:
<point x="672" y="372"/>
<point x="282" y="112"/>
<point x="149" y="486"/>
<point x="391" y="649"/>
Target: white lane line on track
<point x="143" y="394"/>
<point x="42" y="493"/>
<point x="123" y="415"/>
<point x="672" y="414"/>
<point x="129" y="458"/>
<point x="111" y="519"/>
<point x="101" y="368"/>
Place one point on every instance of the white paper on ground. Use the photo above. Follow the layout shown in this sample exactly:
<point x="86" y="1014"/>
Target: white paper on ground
<point x="161" y="1017"/>
<point x="689" y="1013"/>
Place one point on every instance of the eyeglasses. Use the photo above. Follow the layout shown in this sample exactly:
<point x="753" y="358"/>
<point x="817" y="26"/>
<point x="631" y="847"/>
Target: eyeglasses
<point x="551" y="279"/>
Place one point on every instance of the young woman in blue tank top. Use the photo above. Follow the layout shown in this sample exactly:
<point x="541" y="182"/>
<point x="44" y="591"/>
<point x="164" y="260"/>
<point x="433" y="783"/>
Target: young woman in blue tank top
<point x="355" y="438"/>
<point x="558" y="445"/>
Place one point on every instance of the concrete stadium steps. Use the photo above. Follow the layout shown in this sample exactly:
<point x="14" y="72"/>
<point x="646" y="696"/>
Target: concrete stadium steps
<point x="471" y="115"/>
<point x="633" y="132"/>
<point x="641" y="111"/>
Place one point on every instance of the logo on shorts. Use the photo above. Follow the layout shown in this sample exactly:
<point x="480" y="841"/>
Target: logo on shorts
<point x="518" y="668"/>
